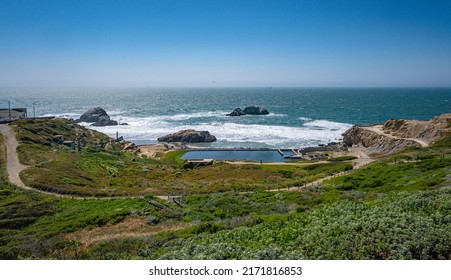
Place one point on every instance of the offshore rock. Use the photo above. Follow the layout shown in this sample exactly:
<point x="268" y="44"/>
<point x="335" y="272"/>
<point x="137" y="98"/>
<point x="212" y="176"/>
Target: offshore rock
<point x="237" y="112"/>
<point x="188" y="136"/>
<point x="93" y="115"/>
<point x="97" y="116"/>
<point x="255" y="110"/>
<point x="104" y="121"/>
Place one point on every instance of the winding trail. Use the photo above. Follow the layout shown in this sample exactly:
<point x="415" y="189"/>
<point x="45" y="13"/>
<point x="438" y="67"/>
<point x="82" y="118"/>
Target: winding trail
<point x="378" y="129"/>
<point x="13" y="165"/>
<point x="359" y="163"/>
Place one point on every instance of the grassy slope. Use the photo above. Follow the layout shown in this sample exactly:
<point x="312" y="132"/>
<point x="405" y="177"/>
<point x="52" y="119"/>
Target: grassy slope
<point x="31" y="224"/>
<point x="397" y="208"/>
<point x="18" y="209"/>
<point x="404" y="225"/>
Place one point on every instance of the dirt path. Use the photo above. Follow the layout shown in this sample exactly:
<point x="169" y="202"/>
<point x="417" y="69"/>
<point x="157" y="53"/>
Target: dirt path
<point x="378" y="129"/>
<point x="359" y="163"/>
<point x="13" y="166"/>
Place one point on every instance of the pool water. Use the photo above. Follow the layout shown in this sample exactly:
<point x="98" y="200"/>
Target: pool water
<point x="253" y="155"/>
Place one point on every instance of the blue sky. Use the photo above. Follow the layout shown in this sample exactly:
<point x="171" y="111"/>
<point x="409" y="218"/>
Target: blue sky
<point x="233" y="43"/>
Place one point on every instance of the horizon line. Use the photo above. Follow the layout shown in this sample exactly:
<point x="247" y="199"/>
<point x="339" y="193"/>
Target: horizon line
<point x="231" y="86"/>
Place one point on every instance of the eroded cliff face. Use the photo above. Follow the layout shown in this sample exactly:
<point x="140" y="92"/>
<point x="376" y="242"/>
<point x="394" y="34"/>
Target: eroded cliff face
<point x="374" y="142"/>
<point x="429" y="131"/>
<point x="396" y="135"/>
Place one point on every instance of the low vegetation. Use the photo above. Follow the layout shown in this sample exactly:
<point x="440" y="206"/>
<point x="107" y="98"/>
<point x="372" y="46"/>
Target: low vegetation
<point x="398" y="226"/>
<point x="393" y="220"/>
<point x="395" y="208"/>
<point x="342" y="158"/>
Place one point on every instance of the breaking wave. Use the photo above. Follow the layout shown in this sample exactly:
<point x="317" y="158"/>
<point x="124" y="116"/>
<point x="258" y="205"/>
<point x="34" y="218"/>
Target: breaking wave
<point x="228" y="132"/>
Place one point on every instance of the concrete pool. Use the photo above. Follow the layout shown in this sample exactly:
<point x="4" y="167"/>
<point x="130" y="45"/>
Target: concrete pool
<point x="253" y="155"/>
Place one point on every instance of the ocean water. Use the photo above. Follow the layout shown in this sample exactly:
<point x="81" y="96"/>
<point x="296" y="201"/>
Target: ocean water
<point x="298" y="117"/>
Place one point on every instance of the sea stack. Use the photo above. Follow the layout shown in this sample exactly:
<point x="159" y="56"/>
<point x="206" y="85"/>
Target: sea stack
<point x="188" y="136"/>
<point x="236" y="113"/>
<point x="255" y="110"/>
<point x="97" y="116"/>
<point x="249" y="110"/>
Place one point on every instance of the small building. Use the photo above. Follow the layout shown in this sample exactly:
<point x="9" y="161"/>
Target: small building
<point x="14" y="114"/>
<point x="58" y="139"/>
<point x="70" y="144"/>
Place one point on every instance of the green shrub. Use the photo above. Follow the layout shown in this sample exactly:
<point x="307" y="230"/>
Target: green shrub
<point x="152" y="220"/>
<point x="399" y="226"/>
<point x="342" y="158"/>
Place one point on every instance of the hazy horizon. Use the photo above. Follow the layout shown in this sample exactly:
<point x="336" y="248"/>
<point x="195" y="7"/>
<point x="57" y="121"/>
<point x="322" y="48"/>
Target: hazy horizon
<point x="197" y="43"/>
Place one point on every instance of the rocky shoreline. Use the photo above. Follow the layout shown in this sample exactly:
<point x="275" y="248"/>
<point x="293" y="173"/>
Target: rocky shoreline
<point x="359" y="141"/>
<point x="379" y="139"/>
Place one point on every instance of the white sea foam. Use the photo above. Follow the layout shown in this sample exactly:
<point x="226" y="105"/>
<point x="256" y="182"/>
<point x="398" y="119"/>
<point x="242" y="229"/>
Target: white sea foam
<point x="229" y="134"/>
<point x="115" y="112"/>
<point x="326" y="125"/>
<point x="64" y="115"/>
<point x="276" y="115"/>
<point x="304" y="119"/>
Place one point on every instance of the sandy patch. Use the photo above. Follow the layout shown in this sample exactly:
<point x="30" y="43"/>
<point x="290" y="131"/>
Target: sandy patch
<point x="130" y="227"/>
<point x="153" y="150"/>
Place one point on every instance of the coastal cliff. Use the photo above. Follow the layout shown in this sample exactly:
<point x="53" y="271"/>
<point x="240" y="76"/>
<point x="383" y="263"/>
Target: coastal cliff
<point x="375" y="143"/>
<point x="429" y="131"/>
<point x="396" y="134"/>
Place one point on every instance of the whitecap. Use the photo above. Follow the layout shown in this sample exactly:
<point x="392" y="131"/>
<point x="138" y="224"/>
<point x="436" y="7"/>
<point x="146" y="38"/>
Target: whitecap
<point x="63" y="115"/>
<point x="115" y="112"/>
<point x="208" y="114"/>
<point x="276" y="115"/>
<point x="230" y="134"/>
<point x="327" y="125"/>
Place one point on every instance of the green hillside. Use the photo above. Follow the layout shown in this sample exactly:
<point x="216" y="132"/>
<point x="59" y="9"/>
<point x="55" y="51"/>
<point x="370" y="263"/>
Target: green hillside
<point x="398" y="207"/>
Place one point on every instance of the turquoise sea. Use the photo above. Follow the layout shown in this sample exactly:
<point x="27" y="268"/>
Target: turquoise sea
<point x="298" y="116"/>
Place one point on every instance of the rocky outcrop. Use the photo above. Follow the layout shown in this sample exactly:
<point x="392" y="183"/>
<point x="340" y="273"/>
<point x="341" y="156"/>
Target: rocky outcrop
<point x="104" y="121"/>
<point x="131" y="147"/>
<point x="93" y="115"/>
<point x="255" y="110"/>
<point x="396" y="135"/>
<point x="374" y="142"/>
<point x="97" y="116"/>
<point x="237" y="112"/>
<point x="188" y="136"/>
<point x="249" y="110"/>
<point x="428" y="131"/>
